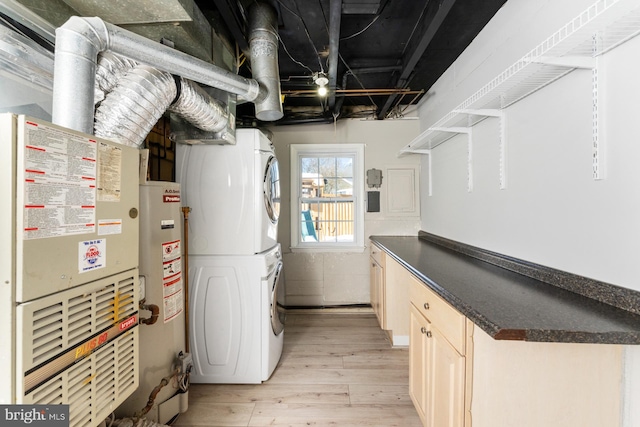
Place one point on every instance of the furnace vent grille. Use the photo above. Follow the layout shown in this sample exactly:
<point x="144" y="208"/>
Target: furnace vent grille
<point x="47" y="332"/>
<point x="97" y="385"/>
<point x="80" y="347"/>
<point x="62" y="321"/>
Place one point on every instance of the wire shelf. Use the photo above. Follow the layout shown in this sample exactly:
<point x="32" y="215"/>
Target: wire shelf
<point x="603" y="26"/>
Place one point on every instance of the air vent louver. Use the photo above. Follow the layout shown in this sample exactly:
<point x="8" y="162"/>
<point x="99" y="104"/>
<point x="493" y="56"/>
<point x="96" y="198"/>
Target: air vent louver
<point x="78" y="328"/>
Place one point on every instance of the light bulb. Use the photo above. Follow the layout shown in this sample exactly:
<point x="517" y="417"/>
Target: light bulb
<point x="322" y="91"/>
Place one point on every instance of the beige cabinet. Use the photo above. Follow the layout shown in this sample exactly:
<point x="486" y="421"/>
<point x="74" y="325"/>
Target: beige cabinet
<point x="376" y="282"/>
<point x="461" y="377"/>
<point x="437" y="363"/>
<point x="389" y="290"/>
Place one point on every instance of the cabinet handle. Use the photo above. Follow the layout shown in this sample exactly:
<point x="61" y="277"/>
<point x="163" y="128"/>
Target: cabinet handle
<point x="426" y="306"/>
<point x="428" y="334"/>
<point x="423" y="330"/>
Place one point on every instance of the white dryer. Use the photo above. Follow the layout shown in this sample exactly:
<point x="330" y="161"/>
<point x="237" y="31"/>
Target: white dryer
<point x="236" y="326"/>
<point x="234" y="194"/>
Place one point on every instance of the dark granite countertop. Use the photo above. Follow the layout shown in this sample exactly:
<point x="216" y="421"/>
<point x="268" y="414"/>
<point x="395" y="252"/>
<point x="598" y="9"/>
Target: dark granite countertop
<point x="509" y="305"/>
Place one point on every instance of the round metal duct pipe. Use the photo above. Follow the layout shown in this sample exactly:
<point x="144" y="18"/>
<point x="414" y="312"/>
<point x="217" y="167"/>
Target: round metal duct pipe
<point x="263" y="43"/>
<point x="78" y="43"/>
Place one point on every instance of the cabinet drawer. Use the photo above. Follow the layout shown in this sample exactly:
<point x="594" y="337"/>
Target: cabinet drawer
<point x="377" y="254"/>
<point x="449" y="321"/>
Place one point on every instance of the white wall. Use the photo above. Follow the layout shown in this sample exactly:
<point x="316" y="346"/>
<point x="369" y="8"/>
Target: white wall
<point x="318" y="279"/>
<point x="552" y="212"/>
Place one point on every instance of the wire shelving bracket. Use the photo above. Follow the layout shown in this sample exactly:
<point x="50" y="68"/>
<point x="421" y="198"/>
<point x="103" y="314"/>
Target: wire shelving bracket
<point x="600" y="28"/>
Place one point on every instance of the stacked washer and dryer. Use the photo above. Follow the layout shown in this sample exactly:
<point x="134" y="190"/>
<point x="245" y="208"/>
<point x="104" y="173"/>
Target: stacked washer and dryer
<point x="235" y="261"/>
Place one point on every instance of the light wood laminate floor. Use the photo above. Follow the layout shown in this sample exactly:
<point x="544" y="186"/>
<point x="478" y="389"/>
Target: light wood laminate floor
<point x="336" y="370"/>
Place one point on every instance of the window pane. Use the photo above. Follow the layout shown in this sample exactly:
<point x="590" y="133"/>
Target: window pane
<point x="345" y="187"/>
<point x="330" y="187"/>
<point x="344" y="167"/>
<point x="333" y="221"/>
<point x="308" y="217"/>
<point x="328" y="232"/>
<point x="327" y="166"/>
<point x="329" y="193"/>
<point x="309" y="165"/>
<point x="312" y="180"/>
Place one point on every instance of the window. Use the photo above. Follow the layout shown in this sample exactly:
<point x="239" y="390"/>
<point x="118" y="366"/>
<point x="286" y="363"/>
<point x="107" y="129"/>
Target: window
<point x="327" y="196"/>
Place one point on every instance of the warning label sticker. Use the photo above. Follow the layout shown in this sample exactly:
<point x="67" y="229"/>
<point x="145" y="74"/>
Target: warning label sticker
<point x="109" y="173"/>
<point x="59" y="182"/>
<point x="109" y="226"/>
<point x="172" y="280"/>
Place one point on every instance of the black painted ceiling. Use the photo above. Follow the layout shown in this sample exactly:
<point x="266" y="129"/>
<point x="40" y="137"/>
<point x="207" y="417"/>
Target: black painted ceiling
<point x="389" y="54"/>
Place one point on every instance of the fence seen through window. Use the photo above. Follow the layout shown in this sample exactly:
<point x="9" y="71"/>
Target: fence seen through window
<point x="327" y="199"/>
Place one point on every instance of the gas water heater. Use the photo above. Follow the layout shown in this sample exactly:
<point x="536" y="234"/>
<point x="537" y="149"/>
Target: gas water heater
<point x="163" y="353"/>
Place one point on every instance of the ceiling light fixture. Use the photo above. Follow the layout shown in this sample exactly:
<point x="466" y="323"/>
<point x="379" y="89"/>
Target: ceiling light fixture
<point x="321" y="80"/>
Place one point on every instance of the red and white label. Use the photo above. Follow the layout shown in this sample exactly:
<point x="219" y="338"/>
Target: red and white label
<point x="128" y="323"/>
<point x="59" y="191"/>
<point x="171" y="198"/>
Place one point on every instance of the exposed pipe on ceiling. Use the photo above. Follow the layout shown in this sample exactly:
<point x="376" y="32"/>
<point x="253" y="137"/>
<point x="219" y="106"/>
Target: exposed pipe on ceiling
<point x="357" y="71"/>
<point x="263" y="43"/>
<point x="316" y="120"/>
<point x="335" y="16"/>
<point x="78" y="43"/>
<point x="410" y="62"/>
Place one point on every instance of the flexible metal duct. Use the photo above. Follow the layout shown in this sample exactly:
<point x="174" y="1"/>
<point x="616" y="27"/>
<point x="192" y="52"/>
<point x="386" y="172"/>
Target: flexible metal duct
<point x="78" y="43"/>
<point x="130" y="111"/>
<point x="198" y="108"/>
<point x="137" y="97"/>
<point x="263" y="43"/>
<point x="111" y="68"/>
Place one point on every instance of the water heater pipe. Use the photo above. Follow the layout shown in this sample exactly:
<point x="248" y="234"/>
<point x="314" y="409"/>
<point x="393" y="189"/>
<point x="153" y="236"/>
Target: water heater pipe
<point x="155" y="313"/>
<point x="78" y="43"/>
<point x="185" y="275"/>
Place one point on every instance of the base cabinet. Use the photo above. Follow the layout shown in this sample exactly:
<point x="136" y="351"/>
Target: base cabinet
<point x="418" y="361"/>
<point x="461" y="377"/>
<point x="445" y="385"/>
<point x="437" y="377"/>
<point x="389" y="290"/>
<point x="376" y="283"/>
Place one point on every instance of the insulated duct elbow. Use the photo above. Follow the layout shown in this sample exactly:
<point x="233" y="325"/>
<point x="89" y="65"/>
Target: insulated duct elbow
<point x="263" y="43"/>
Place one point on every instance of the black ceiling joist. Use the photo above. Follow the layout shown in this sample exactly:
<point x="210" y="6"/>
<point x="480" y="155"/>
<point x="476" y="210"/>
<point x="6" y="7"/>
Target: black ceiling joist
<point x="420" y="47"/>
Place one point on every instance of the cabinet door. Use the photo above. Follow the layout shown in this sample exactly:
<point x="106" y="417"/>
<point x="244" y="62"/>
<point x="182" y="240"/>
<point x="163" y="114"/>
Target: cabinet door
<point x="376" y="288"/>
<point x="417" y="361"/>
<point x="445" y="382"/>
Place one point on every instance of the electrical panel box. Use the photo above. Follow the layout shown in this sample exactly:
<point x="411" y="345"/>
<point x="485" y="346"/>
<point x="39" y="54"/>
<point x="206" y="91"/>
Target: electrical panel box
<point x="373" y="201"/>
<point x="374" y="178"/>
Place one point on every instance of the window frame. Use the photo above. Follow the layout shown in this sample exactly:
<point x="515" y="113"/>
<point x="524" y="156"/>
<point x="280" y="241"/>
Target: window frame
<point x="328" y="150"/>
